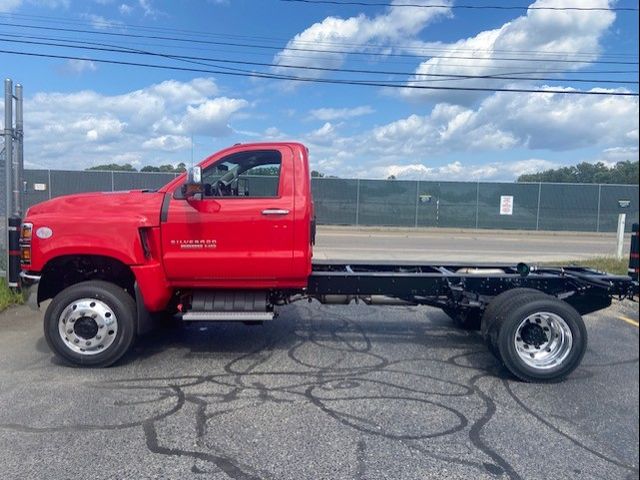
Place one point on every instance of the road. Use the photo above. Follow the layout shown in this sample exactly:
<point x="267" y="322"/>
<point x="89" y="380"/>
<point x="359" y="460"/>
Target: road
<point x="348" y="243"/>
<point x="322" y="392"/>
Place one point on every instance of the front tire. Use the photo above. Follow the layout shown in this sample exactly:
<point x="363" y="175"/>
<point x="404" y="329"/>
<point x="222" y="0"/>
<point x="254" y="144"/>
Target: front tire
<point x="91" y="324"/>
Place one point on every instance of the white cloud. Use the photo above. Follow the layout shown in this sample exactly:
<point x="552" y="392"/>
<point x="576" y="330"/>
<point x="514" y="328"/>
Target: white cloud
<point x="125" y="9"/>
<point x="205" y="118"/>
<point x="502" y="122"/>
<point x="568" y="35"/>
<point x="168" y="143"/>
<point x="9" y="5"/>
<point x="328" y="114"/>
<point x="101" y="23"/>
<point x="81" y="66"/>
<point x="354" y="34"/>
<point x="148" y="9"/>
<point x="613" y="155"/>
<point x="465" y="172"/>
<point x="75" y="130"/>
<point x="12" y="5"/>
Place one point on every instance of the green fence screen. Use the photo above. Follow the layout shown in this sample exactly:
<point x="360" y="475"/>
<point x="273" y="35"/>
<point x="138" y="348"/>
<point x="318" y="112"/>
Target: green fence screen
<point x="401" y="203"/>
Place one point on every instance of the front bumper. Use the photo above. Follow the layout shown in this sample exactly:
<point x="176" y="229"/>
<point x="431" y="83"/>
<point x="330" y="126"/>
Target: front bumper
<point x="29" y="286"/>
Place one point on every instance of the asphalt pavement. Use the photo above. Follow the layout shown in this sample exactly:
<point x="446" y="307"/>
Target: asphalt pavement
<point x="425" y="245"/>
<point x="350" y="392"/>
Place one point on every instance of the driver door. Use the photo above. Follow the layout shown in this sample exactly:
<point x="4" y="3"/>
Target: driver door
<point x="241" y="233"/>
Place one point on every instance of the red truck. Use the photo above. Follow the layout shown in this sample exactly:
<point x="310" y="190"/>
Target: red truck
<point x="216" y="244"/>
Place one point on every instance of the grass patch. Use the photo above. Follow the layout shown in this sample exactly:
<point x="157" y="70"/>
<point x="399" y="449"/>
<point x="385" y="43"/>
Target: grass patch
<point x="8" y="297"/>
<point x="605" y="264"/>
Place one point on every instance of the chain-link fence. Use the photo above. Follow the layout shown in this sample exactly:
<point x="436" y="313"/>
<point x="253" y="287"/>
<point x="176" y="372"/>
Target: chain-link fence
<point x="521" y="206"/>
<point x="485" y="205"/>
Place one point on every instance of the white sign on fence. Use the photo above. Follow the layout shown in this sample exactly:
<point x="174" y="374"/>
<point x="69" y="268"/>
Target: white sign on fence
<point x="40" y="187"/>
<point x="506" y="205"/>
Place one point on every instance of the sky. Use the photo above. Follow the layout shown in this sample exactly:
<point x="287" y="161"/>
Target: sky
<point x="405" y="116"/>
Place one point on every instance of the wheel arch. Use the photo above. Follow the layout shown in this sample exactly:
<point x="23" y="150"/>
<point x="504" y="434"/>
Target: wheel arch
<point x="66" y="270"/>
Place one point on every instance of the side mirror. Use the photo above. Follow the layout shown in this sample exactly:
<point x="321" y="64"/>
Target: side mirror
<point x="193" y="187"/>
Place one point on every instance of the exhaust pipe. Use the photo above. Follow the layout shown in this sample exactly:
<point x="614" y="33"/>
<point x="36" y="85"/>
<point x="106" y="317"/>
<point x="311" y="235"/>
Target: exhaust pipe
<point x="368" y="300"/>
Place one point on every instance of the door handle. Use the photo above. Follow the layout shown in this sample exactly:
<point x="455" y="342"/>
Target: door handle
<point x="275" y="211"/>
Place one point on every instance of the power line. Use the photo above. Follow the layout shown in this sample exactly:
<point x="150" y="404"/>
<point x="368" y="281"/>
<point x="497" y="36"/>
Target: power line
<point x="465" y="7"/>
<point x="341" y="52"/>
<point x="326" y="81"/>
<point x="108" y="48"/>
<point x="439" y="66"/>
<point x="418" y="50"/>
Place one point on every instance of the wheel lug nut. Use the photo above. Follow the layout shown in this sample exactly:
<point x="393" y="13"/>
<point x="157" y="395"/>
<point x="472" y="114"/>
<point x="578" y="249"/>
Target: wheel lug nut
<point x="76" y="341"/>
<point x="98" y="337"/>
<point x="88" y="343"/>
<point x="69" y="331"/>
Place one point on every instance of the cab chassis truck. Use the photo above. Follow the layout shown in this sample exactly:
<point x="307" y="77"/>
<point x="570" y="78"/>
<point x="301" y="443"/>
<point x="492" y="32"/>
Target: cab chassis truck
<point x="232" y="240"/>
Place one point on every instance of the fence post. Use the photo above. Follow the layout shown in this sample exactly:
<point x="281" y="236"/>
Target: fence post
<point x="620" y="239"/>
<point x="599" y="196"/>
<point x="417" y="202"/>
<point x="477" y="203"/>
<point x="538" y="213"/>
<point x="49" y="184"/>
<point x="112" y="182"/>
<point x="357" y="202"/>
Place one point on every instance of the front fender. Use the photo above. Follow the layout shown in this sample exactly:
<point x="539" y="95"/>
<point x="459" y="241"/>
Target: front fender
<point x="116" y="240"/>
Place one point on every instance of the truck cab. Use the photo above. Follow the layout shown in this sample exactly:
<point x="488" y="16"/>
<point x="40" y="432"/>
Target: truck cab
<point x="248" y="226"/>
<point x="232" y="242"/>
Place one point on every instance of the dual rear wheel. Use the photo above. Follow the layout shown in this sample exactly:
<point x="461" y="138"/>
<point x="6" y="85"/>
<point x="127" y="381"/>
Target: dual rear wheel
<point x="539" y="338"/>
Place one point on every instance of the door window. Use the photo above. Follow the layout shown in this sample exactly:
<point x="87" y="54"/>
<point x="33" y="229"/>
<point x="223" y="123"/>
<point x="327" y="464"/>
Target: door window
<point x="254" y="174"/>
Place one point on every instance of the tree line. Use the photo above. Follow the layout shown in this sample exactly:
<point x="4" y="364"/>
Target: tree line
<point x="127" y="167"/>
<point x="621" y="173"/>
<point x="625" y="173"/>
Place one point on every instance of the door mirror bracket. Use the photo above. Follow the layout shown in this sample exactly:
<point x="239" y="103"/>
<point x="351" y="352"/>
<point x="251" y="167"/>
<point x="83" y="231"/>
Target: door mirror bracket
<point x="193" y="188"/>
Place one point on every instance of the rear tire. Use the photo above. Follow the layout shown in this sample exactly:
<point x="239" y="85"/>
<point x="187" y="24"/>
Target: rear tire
<point x="498" y="307"/>
<point x="541" y="339"/>
<point x="91" y="324"/>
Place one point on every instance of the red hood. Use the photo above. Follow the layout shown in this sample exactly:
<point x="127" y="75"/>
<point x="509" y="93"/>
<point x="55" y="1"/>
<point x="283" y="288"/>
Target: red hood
<point x="137" y="206"/>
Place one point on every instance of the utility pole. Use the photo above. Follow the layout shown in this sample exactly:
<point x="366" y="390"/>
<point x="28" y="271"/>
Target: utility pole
<point x="18" y="159"/>
<point x="14" y="164"/>
<point x="8" y="145"/>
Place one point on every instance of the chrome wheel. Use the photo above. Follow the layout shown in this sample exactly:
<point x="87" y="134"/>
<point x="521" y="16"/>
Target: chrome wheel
<point x="543" y="340"/>
<point x="88" y="326"/>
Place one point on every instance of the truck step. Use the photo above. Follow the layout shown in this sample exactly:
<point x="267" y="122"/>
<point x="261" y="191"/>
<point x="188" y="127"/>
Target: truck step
<point x="229" y="301"/>
<point x="227" y="316"/>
